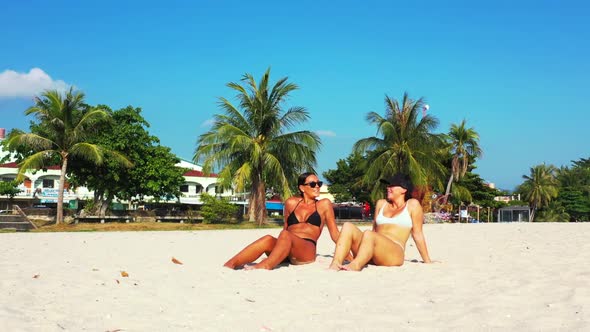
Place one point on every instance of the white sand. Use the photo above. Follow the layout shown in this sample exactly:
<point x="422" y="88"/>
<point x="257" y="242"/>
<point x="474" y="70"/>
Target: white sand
<point x="498" y="277"/>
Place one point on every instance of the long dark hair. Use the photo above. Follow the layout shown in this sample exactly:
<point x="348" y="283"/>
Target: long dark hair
<point x="301" y="180"/>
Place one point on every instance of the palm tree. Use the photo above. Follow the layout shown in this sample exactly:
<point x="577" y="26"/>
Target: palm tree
<point x="464" y="144"/>
<point x="250" y="145"/>
<point x="407" y="144"/>
<point x="64" y="123"/>
<point x="540" y="187"/>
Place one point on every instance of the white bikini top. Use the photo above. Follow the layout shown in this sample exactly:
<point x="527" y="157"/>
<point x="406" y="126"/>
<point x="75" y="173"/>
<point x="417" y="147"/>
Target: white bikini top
<point x="402" y="219"/>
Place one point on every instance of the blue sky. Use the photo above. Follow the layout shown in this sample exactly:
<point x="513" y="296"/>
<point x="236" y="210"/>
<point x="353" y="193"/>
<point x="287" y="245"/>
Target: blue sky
<point x="517" y="71"/>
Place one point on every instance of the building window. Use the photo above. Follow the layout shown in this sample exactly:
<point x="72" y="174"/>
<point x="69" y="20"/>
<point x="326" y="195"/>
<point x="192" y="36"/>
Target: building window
<point x="48" y="183"/>
<point x="198" y="189"/>
<point x="184" y="188"/>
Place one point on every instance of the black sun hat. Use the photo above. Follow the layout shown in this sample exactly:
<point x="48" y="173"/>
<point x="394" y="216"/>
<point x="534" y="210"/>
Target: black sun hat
<point x="398" y="179"/>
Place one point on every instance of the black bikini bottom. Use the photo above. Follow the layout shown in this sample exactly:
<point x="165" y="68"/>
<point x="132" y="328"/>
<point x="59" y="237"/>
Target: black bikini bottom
<point x="286" y="260"/>
<point x="310" y="240"/>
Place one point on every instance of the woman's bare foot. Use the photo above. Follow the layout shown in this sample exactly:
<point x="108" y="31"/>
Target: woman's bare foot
<point x="335" y="266"/>
<point x="260" y="266"/>
<point x="230" y="265"/>
<point x="350" y="267"/>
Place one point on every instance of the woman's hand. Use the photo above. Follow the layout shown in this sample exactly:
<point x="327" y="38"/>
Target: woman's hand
<point x="425" y="262"/>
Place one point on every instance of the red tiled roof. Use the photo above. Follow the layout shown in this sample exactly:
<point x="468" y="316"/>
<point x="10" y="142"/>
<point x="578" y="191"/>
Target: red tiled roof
<point x="9" y="165"/>
<point x="199" y="173"/>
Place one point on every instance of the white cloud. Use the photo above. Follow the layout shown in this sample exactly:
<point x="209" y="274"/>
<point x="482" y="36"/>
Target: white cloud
<point x="328" y="133"/>
<point x="14" y="84"/>
<point x="208" y="123"/>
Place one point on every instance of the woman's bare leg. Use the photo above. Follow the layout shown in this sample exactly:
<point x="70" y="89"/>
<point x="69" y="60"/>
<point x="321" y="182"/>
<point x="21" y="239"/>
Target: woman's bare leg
<point x="251" y="253"/>
<point x="349" y="239"/>
<point x="288" y="245"/>
<point x="378" y="248"/>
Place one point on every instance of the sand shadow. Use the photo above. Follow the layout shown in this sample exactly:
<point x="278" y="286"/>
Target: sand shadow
<point x="324" y="256"/>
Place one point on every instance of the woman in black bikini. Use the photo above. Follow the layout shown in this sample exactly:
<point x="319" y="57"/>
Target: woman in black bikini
<point x="305" y="217"/>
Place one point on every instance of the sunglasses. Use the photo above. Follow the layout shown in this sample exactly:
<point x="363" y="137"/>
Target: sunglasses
<point x="312" y="184"/>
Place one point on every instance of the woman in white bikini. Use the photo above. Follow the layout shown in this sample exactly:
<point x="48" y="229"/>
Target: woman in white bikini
<point x="396" y="217"/>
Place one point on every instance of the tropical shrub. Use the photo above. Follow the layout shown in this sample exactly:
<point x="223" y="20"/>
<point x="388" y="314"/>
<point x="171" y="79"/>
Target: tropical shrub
<point x="217" y="210"/>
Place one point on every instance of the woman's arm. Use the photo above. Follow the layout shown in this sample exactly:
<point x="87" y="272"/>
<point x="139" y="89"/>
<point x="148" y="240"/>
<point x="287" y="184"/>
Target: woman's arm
<point x="417" y="234"/>
<point x="329" y="220"/>
<point x="378" y="208"/>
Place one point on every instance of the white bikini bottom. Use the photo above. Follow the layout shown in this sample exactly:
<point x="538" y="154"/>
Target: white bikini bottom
<point x="399" y="244"/>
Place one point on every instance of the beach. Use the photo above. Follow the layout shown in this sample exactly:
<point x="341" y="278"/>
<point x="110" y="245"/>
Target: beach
<point x="491" y="277"/>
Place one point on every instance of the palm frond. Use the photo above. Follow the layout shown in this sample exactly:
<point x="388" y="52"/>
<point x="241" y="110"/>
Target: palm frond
<point x="34" y="161"/>
<point x="90" y="152"/>
<point x="30" y="140"/>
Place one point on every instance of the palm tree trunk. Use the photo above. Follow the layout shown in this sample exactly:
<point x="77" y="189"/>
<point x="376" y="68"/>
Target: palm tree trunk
<point x="449" y="187"/>
<point x="260" y="204"/>
<point x="251" y="207"/>
<point x="60" y="193"/>
<point x="104" y="205"/>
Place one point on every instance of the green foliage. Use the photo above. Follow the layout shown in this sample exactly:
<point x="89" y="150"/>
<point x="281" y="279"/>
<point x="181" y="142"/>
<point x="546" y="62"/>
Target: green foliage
<point x="479" y="191"/>
<point x="574" y="189"/>
<point x="217" y="210"/>
<point x="460" y="195"/>
<point x="90" y="207"/>
<point x="346" y="180"/>
<point x="574" y="202"/>
<point x="153" y="173"/>
<point x="554" y="212"/>
<point x="517" y="203"/>
<point x="251" y="144"/>
<point x="9" y="188"/>
<point x="540" y="187"/>
<point x="464" y="147"/>
<point x="405" y="144"/>
<point x="64" y="124"/>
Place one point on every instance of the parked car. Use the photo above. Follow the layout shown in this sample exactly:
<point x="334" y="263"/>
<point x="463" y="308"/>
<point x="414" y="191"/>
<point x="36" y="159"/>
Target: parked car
<point x="346" y="211"/>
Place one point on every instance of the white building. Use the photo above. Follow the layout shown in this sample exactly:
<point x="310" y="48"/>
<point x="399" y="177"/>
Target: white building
<point x="42" y="185"/>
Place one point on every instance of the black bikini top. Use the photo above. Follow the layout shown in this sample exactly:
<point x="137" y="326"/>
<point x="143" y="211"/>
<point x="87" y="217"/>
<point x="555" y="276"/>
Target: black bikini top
<point x="313" y="218"/>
